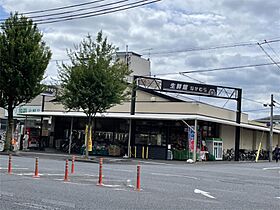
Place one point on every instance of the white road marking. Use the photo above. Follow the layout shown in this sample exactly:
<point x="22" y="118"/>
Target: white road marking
<point x="175" y="175"/>
<point x="277" y="197"/>
<point x="54" y="174"/>
<point x="197" y="191"/>
<point x="14" y="168"/>
<point x="119" y="189"/>
<point x="28" y="174"/>
<point x="75" y="183"/>
<point x="60" y="203"/>
<point x="36" y="206"/>
<point x="110" y="185"/>
<point x="156" y="163"/>
<point x="271" y="168"/>
<point x="6" y="194"/>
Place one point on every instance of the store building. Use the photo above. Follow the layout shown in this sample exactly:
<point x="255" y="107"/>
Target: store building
<point x="162" y="126"/>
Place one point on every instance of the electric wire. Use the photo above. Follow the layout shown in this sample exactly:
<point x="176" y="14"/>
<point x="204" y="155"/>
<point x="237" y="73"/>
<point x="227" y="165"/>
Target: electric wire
<point x="95" y="13"/>
<point x="229" y="68"/>
<point x="74" y="11"/>
<point x="84" y="14"/>
<point x="61" y="8"/>
<point x="276" y="63"/>
<point x="252" y="100"/>
<point x="272" y="49"/>
<point x="212" y="47"/>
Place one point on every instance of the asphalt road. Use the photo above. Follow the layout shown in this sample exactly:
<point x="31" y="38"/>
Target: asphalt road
<point x="164" y="185"/>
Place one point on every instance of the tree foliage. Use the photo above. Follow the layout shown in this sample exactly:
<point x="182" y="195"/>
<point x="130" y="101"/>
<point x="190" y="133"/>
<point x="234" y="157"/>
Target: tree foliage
<point x="94" y="81"/>
<point x="24" y="58"/>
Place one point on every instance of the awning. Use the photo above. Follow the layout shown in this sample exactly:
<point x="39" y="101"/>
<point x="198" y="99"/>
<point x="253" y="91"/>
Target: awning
<point x="151" y="116"/>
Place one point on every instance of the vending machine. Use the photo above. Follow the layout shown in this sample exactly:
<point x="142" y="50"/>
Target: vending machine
<point x="215" y="148"/>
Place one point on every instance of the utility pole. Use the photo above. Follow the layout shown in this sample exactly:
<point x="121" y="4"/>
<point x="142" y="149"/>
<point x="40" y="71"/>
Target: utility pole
<point x="271" y="127"/>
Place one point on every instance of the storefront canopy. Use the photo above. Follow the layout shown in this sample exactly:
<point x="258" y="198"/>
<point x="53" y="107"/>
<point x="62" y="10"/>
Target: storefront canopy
<point x="151" y="116"/>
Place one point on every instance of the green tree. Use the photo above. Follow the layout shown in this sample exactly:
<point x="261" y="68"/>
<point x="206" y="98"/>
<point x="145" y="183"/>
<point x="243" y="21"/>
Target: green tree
<point x="24" y="58"/>
<point x="94" y="81"/>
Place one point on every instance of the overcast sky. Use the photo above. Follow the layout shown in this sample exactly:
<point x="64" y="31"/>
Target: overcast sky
<point x="161" y="31"/>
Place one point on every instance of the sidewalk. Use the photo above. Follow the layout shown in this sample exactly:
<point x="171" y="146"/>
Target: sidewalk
<point x="56" y="154"/>
<point x="50" y="153"/>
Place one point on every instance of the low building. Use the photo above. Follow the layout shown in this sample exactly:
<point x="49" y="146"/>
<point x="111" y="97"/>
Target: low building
<point x="161" y="123"/>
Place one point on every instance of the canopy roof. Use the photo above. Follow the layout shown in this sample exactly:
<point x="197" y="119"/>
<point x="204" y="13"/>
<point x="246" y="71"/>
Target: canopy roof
<point x="152" y="116"/>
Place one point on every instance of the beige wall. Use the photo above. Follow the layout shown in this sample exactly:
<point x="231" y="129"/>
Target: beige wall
<point x="246" y="139"/>
<point x="139" y="65"/>
<point x="221" y="113"/>
<point x="227" y="133"/>
<point x="149" y="103"/>
<point x="261" y="137"/>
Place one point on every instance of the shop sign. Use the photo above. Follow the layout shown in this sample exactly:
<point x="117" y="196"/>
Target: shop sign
<point x="190" y="88"/>
<point x="23" y="109"/>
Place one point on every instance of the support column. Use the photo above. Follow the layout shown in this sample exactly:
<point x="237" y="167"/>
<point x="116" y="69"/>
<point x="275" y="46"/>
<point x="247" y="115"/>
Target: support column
<point x="132" y="112"/>
<point x="71" y="135"/>
<point x="237" y="128"/>
<point x="195" y="140"/>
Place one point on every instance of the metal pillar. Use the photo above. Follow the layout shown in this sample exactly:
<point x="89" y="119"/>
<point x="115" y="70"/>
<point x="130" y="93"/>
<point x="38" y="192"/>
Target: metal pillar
<point x="271" y="128"/>
<point x="195" y="140"/>
<point x="41" y="123"/>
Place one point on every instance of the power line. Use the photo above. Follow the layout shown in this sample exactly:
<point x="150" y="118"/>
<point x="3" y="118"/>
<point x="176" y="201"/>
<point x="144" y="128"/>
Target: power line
<point x="61" y="8"/>
<point x="211" y="48"/>
<point x="269" y="56"/>
<point x="252" y="100"/>
<point x="97" y="13"/>
<point x="74" y="11"/>
<point x="229" y="68"/>
<point x="87" y="13"/>
<point x="272" y="49"/>
<point x="192" y="78"/>
<point x="254" y="110"/>
<point x="217" y="69"/>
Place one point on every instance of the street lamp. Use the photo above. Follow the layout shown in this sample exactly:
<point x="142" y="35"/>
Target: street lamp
<point x="271" y="126"/>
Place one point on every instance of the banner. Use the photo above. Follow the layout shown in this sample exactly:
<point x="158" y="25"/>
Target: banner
<point x="191" y="139"/>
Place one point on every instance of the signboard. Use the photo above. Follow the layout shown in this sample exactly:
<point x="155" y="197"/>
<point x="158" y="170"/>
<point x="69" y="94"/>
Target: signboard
<point x="190" y="88"/>
<point x="23" y="109"/>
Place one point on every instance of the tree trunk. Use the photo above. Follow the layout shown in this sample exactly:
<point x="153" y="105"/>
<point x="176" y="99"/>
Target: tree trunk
<point x="88" y="136"/>
<point x="10" y="128"/>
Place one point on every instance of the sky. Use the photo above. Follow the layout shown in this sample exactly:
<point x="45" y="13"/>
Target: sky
<point x="179" y="36"/>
